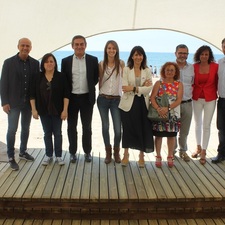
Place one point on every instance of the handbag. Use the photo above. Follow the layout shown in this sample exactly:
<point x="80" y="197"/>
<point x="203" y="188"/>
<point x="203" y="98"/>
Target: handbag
<point x="162" y="101"/>
<point x="153" y="114"/>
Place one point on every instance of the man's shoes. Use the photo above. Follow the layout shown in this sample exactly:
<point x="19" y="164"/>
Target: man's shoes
<point x="47" y="160"/>
<point x="73" y="158"/>
<point x="60" y="161"/>
<point x="88" y="157"/>
<point x="184" y="156"/>
<point x="26" y="156"/>
<point x="219" y="158"/>
<point x="13" y="164"/>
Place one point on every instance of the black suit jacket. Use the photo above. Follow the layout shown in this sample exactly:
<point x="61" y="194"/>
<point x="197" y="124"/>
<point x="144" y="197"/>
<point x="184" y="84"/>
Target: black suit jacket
<point x="92" y="73"/>
<point x="11" y="80"/>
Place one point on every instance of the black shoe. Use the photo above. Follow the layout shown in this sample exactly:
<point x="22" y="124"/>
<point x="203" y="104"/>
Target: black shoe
<point x="88" y="157"/>
<point x="73" y="158"/>
<point x="219" y="158"/>
<point x="13" y="164"/>
<point x="26" y="156"/>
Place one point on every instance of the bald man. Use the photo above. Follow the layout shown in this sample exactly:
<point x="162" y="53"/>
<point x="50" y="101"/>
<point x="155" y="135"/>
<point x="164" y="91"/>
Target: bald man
<point x="17" y="73"/>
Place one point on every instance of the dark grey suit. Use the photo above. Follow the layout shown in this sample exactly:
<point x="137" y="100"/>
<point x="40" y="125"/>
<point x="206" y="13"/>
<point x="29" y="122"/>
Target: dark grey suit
<point x="81" y="103"/>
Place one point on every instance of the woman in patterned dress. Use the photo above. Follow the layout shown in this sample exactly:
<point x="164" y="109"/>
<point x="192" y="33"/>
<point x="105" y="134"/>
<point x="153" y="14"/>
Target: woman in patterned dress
<point x="170" y="85"/>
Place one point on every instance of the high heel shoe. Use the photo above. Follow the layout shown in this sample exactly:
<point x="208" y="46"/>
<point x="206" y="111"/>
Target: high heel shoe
<point x="202" y="160"/>
<point x="197" y="153"/>
<point x="170" y="162"/>
<point x="125" y="160"/>
<point x="141" y="161"/>
<point x="158" y="162"/>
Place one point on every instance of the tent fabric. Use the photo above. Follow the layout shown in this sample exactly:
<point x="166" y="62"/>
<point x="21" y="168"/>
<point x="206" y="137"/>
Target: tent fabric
<point x="51" y="24"/>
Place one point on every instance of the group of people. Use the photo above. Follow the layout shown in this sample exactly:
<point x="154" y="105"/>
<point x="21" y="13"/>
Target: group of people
<point x="29" y="89"/>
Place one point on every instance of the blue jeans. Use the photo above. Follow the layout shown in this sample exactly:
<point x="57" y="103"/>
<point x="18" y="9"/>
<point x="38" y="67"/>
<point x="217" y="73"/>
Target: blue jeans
<point x="52" y="125"/>
<point x="221" y="126"/>
<point x="13" y="120"/>
<point x="105" y="105"/>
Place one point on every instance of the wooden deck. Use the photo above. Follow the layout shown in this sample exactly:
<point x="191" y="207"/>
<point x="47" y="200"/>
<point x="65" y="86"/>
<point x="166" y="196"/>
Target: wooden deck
<point x="96" y="191"/>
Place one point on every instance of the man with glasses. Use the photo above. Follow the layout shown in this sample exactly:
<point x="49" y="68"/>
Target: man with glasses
<point x="187" y="78"/>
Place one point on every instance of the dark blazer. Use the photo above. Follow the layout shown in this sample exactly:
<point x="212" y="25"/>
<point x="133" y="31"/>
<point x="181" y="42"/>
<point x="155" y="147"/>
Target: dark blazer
<point x="11" y="80"/>
<point x="92" y="73"/>
<point x="60" y="90"/>
<point x="210" y="87"/>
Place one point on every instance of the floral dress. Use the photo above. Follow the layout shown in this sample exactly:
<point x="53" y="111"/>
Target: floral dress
<point x="172" y="126"/>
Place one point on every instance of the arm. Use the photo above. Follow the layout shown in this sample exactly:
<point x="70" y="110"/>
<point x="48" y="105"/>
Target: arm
<point x="125" y="83"/>
<point x="64" y="113"/>
<point x="33" y="109"/>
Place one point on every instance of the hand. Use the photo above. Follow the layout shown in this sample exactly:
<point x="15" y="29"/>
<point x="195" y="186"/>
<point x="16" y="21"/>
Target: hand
<point x="127" y="88"/>
<point x="64" y="115"/>
<point x="6" y="108"/>
<point x="35" y="114"/>
<point x="147" y="83"/>
<point x="163" y="111"/>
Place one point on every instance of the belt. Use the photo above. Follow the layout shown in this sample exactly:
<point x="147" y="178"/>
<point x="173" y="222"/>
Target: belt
<point x="186" y="101"/>
<point x="79" y="95"/>
<point x="221" y="98"/>
<point x="110" y="96"/>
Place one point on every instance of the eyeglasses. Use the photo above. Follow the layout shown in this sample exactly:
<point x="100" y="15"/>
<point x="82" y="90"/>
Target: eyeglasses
<point x="183" y="53"/>
<point x="49" y="85"/>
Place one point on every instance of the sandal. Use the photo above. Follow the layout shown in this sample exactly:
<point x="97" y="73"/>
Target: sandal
<point x="197" y="152"/>
<point x="202" y="160"/>
<point x="170" y="162"/>
<point x="158" y="162"/>
<point x="141" y="162"/>
<point x="125" y="160"/>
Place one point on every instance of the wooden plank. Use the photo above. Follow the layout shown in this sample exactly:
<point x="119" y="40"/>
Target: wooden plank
<point x="32" y="186"/>
<point x="86" y="182"/>
<point x="29" y="171"/>
<point x="103" y="181"/>
<point x="69" y="182"/>
<point x="94" y="192"/>
<point x="61" y="181"/>
<point x="113" y="192"/>
<point x="121" y="184"/>
<point x="76" y="190"/>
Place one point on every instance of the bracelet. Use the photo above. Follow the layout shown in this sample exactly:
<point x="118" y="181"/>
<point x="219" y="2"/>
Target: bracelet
<point x="169" y="108"/>
<point x="134" y="89"/>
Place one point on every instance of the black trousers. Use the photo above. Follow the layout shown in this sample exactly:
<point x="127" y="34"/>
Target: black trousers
<point x="80" y="103"/>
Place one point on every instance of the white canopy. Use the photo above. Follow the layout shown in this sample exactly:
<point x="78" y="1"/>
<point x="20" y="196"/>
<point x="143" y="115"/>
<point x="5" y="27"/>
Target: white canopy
<point x="51" y="24"/>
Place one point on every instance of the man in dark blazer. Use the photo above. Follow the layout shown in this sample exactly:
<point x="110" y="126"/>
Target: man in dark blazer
<point x="81" y="70"/>
<point x="17" y="73"/>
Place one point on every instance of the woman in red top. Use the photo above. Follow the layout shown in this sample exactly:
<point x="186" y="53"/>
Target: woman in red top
<point x="204" y="98"/>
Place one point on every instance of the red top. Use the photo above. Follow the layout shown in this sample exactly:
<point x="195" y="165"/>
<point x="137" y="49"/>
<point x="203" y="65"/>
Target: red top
<point x="208" y="88"/>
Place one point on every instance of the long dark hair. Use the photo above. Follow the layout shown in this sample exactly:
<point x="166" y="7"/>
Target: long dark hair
<point x="199" y="52"/>
<point x="45" y="58"/>
<point x="117" y="57"/>
<point x="140" y="51"/>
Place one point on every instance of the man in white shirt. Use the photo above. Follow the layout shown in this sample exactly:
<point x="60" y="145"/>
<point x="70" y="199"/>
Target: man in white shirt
<point x="81" y="70"/>
<point x="187" y="78"/>
<point x="221" y="109"/>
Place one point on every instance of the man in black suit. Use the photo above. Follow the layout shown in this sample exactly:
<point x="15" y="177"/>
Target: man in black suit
<point x="17" y="73"/>
<point x="81" y="70"/>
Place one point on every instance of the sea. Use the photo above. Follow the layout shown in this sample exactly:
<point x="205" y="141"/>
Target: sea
<point x="154" y="59"/>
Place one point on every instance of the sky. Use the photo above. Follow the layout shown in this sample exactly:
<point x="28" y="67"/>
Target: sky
<point x="150" y="40"/>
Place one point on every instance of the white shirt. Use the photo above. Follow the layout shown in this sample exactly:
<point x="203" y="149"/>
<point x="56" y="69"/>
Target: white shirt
<point x="187" y="78"/>
<point x="79" y="76"/>
<point x="111" y="85"/>
<point x="221" y="75"/>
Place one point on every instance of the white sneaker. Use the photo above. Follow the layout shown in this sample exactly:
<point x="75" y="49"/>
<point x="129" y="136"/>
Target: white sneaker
<point x="60" y="161"/>
<point x="47" y="160"/>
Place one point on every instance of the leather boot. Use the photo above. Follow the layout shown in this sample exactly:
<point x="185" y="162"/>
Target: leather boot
<point x="117" y="154"/>
<point x="108" y="157"/>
